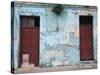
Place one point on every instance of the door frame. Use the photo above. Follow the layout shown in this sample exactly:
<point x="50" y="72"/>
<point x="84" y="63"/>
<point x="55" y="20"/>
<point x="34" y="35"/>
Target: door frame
<point x="19" y="65"/>
<point x="92" y="40"/>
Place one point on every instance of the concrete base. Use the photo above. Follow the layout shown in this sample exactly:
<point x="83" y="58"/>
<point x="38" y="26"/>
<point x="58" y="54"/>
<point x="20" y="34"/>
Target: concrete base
<point x="54" y="69"/>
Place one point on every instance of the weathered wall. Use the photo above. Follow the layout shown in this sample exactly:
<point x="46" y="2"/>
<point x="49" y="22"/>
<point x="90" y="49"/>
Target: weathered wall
<point x="22" y="9"/>
<point x="62" y="45"/>
<point x="59" y="35"/>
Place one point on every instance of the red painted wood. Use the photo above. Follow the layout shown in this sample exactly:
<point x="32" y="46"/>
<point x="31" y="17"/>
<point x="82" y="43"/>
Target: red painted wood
<point x="86" y="42"/>
<point x="29" y="44"/>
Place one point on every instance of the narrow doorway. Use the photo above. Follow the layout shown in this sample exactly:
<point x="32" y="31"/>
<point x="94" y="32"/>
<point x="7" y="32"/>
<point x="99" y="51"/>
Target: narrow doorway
<point x="29" y="39"/>
<point x="86" y="38"/>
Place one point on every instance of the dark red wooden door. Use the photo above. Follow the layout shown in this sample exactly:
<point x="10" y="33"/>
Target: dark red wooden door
<point x="86" y="38"/>
<point x="29" y="43"/>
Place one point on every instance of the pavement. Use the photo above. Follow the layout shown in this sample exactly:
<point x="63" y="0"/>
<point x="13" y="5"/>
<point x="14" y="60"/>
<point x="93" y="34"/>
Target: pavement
<point x="55" y="69"/>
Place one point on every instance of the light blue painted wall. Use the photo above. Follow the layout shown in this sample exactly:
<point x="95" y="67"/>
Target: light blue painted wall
<point x="64" y="44"/>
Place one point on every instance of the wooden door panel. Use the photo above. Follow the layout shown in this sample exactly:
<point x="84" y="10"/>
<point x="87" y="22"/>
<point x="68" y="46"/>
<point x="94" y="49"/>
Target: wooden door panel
<point x="29" y="44"/>
<point x="86" y="48"/>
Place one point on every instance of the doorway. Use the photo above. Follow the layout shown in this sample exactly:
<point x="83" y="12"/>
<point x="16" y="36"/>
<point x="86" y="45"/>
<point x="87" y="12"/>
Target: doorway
<point x="29" y="39"/>
<point x="86" y="38"/>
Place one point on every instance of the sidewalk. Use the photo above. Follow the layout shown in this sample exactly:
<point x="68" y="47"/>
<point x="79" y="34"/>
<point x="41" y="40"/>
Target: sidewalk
<point x="53" y="69"/>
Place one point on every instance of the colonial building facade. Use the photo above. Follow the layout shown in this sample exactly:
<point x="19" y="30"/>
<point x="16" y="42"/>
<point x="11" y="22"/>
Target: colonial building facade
<point x="53" y="36"/>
